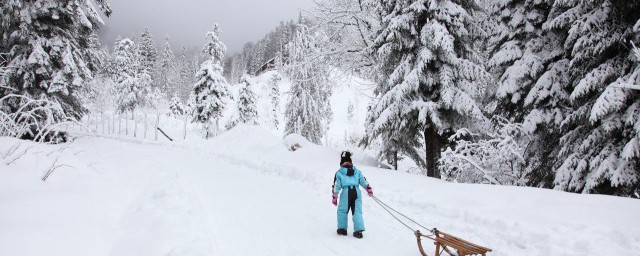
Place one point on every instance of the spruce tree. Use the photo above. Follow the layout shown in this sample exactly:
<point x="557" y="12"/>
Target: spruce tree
<point x="532" y="86"/>
<point x="599" y="150"/>
<point x="518" y="53"/>
<point x="247" y="105"/>
<point x="185" y="75"/>
<point x="176" y="107"/>
<point x="274" y="94"/>
<point x="211" y="88"/>
<point x="130" y="86"/>
<point x="166" y="69"/>
<point x="308" y="111"/>
<point x="50" y="53"/>
<point x="147" y="52"/>
<point x="429" y="76"/>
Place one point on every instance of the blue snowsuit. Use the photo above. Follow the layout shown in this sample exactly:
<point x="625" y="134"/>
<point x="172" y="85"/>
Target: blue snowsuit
<point x="347" y="180"/>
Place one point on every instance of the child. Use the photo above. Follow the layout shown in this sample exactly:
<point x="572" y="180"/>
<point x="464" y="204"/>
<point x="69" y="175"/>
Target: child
<point x="347" y="180"/>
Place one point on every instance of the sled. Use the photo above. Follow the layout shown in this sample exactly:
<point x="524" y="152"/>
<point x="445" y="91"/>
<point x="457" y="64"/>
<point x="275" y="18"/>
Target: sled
<point x="452" y="245"/>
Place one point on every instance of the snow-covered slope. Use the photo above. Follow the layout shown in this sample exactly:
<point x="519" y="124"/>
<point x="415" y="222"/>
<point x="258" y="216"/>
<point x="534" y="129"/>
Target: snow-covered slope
<point x="244" y="193"/>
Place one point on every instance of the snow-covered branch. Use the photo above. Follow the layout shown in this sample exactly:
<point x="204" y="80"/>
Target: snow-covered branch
<point x="35" y="119"/>
<point x="4" y="68"/>
<point x="495" y="157"/>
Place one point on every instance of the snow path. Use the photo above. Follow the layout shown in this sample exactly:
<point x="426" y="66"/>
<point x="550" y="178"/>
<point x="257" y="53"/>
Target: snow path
<point x="245" y="194"/>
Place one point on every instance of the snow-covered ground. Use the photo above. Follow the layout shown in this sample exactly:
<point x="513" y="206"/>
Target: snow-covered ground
<point x="244" y="193"/>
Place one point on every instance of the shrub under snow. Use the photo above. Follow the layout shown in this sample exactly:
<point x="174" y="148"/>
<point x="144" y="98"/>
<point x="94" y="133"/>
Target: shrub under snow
<point x="494" y="157"/>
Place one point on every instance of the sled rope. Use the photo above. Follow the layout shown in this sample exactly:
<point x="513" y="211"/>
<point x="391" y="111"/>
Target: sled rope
<point x="445" y="243"/>
<point x="389" y="209"/>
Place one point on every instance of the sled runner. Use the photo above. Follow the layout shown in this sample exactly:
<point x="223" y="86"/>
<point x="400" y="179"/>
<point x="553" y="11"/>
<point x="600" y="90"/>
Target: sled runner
<point x="445" y="243"/>
<point x="452" y="245"/>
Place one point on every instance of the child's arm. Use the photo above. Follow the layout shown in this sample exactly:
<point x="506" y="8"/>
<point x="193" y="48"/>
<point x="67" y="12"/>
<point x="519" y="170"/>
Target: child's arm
<point x="364" y="183"/>
<point x="337" y="186"/>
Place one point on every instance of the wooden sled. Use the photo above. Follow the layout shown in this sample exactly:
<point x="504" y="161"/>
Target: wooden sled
<point x="451" y="245"/>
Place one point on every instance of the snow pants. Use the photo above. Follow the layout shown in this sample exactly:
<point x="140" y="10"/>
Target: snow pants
<point x="350" y="200"/>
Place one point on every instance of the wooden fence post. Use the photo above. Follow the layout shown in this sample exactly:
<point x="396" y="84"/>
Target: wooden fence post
<point x="113" y="123"/>
<point x="135" y="123"/>
<point x="156" y="126"/>
<point x="145" y="124"/>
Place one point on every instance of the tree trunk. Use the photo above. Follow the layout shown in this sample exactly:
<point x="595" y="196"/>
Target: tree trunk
<point x="145" y="124"/>
<point x="432" y="147"/>
<point x="155" y="137"/>
<point x="135" y="124"/>
<point x="184" y="135"/>
<point x="102" y="123"/>
<point x="126" y="125"/>
<point x="217" y="126"/>
<point x="206" y="131"/>
<point x="395" y="160"/>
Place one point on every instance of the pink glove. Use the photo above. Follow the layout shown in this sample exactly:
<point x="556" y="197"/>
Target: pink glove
<point x="334" y="201"/>
<point x="369" y="190"/>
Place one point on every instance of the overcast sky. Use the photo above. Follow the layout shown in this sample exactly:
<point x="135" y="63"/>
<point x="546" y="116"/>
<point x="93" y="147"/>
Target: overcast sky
<point x="186" y="21"/>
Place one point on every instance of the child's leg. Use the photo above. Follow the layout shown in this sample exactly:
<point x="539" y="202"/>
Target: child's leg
<point x="358" y="222"/>
<point x="343" y="209"/>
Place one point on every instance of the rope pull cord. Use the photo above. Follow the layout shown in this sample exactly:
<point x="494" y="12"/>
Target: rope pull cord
<point x="389" y="210"/>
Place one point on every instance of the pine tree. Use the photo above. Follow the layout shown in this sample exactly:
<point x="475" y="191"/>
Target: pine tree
<point x="518" y="53"/>
<point x="599" y="150"/>
<point x="532" y="87"/>
<point x="175" y="107"/>
<point x="247" y="105"/>
<point x="50" y="53"/>
<point x="130" y="86"/>
<point x="308" y="111"/>
<point x="211" y="87"/>
<point x="429" y="76"/>
<point x="166" y="69"/>
<point x="147" y="52"/>
<point x="185" y="75"/>
<point x="274" y="94"/>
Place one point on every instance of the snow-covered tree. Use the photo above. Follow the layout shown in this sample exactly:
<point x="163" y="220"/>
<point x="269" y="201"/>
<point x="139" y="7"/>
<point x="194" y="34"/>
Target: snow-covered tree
<point x="48" y="52"/>
<point x="274" y="94"/>
<point x="238" y="68"/>
<point x="131" y="87"/>
<point x="352" y="25"/>
<point x="184" y="73"/>
<point x="429" y="76"/>
<point x="147" y="52"/>
<point x="518" y="52"/>
<point x="247" y="102"/>
<point x="167" y="69"/>
<point x="531" y="70"/>
<point x="211" y="88"/>
<point x="176" y="107"/>
<point x="308" y="111"/>
<point x="599" y="150"/>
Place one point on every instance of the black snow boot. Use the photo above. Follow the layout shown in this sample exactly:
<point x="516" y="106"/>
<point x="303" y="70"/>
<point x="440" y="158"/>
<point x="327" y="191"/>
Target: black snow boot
<point x="342" y="231"/>
<point x="357" y="234"/>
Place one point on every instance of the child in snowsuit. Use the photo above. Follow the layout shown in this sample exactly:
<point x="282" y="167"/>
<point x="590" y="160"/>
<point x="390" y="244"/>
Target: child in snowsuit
<point x="345" y="183"/>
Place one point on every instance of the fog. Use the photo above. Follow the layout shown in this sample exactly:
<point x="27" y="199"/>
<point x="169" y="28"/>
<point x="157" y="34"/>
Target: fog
<point x="186" y="21"/>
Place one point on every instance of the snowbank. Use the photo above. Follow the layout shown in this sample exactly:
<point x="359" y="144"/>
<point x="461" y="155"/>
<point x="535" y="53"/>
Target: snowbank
<point x="295" y="141"/>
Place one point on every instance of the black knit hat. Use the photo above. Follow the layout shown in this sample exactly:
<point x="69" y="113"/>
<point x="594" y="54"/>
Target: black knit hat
<point x="345" y="157"/>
